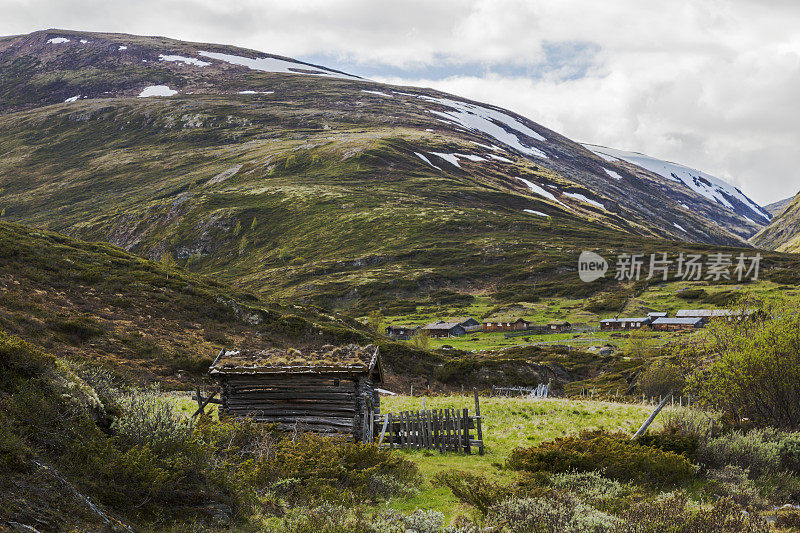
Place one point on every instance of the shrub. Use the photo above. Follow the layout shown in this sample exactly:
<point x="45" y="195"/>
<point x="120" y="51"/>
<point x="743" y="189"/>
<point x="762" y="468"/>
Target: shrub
<point x="473" y="490"/>
<point x="593" y="488"/>
<point x="150" y="419"/>
<point x="685" y="445"/>
<point x="660" y="378"/>
<point x="692" y="422"/>
<point x="615" y="455"/>
<point x="756" y="373"/>
<point x="21" y="360"/>
<point x="788" y="521"/>
<point x="673" y="512"/>
<point x="757" y="451"/>
<point x="549" y="515"/>
<point x="733" y="482"/>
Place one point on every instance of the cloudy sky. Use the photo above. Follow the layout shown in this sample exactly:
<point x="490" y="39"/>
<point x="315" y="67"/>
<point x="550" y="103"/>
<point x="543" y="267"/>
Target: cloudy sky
<point x="713" y="84"/>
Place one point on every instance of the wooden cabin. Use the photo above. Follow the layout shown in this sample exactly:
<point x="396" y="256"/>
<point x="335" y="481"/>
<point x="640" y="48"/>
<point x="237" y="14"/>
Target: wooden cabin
<point x="677" y="324"/>
<point x="559" y="326"/>
<point x="330" y="389"/>
<point x="657" y="314"/>
<point x="444" y="329"/>
<point x="402" y="332"/>
<point x="467" y="322"/>
<point x="716" y="314"/>
<point x="623" y="324"/>
<point x="506" y="324"/>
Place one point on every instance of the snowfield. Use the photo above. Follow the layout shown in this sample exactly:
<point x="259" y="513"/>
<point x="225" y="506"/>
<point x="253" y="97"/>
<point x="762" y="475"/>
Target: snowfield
<point x="272" y="64"/>
<point x="490" y="122"/>
<point x="613" y="174"/>
<point x="537" y="213"/>
<point x="585" y="200"/>
<point x="57" y="40"/>
<point x="157" y="90"/>
<point x="377" y="93"/>
<point x="72" y="99"/>
<point x="182" y="59"/>
<point x="706" y="185"/>
<point x="541" y="192"/>
<point x="427" y="160"/>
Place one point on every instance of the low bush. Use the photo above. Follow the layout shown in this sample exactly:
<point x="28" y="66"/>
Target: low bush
<point x="758" y="451"/>
<point x="692" y="422"/>
<point x="473" y="490"/>
<point x="563" y="514"/>
<point x="616" y="456"/>
<point x="734" y="483"/>
<point x="608" y="495"/>
<point x="685" y="445"/>
<point x="660" y="378"/>
<point x="148" y="418"/>
<point x="674" y="512"/>
<point x="788" y="521"/>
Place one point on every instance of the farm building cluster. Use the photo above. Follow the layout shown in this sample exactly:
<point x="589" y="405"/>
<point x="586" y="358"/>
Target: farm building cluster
<point x="684" y="319"/>
<point x="455" y="327"/>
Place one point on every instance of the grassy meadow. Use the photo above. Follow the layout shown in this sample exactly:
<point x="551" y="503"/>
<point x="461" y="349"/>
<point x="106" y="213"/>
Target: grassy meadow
<point x="507" y="423"/>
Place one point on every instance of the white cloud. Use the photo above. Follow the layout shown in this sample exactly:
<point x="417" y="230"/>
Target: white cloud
<point x="708" y="84"/>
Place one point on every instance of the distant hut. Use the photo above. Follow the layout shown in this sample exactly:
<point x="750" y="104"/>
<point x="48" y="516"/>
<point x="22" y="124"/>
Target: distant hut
<point x="444" y="329"/>
<point x="402" y="332"/>
<point x="622" y="324"/>
<point x="677" y="324"/>
<point x="654" y="315"/>
<point x="559" y="326"/>
<point x="467" y="322"/>
<point x="716" y="314"/>
<point x="506" y="324"/>
<point x="327" y="390"/>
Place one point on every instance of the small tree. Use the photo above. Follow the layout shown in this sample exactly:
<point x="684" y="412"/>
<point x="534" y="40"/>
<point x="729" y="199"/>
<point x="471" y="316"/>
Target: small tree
<point x="422" y="341"/>
<point x="168" y="262"/>
<point x="375" y="320"/>
<point x="756" y="370"/>
<point x="661" y="377"/>
<point x="638" y="344"/>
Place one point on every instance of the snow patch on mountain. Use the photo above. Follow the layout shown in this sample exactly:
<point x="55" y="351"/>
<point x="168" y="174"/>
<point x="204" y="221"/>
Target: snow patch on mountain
<point x="500" y="158"/>
<point x="157" y="90"/>
<point x="256" y="92"/>
<point x="453" y="158"/>
<point x="586" y="200"/>
<point x="72" y="99"/>
<point x="541" y="192"/>
<point x="182" y="59"/>
<point x="706" y="185"/>
<point x="57" y="40"/>
<point x="613" y="174"/>
<point x="273" y="64"/>
<point x="488" y="121"/>
<point x="537" y="213"/>
<point x="378" y="93"/>
<point x="122" y="47"/>
<point x="428" y="161"/>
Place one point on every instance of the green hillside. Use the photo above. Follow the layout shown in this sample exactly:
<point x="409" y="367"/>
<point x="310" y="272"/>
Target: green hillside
<point x="315" y="188"/>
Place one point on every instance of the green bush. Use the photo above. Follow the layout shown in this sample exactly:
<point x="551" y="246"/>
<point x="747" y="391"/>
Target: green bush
<point x="473" y="490"/>
<point x="674" y="512"/>
<point x="734" y="483"/>
<point x="685" y="445"/>
<point x="660" y="378"/>
<point x="564" y="514"/>
<point x="758" y="451"/>
<point x="148" y="418"/>
<point x="616" y="456"/>
<point x="21" y="360"/>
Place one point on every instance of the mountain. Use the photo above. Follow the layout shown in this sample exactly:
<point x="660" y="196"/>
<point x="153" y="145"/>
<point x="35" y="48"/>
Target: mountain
<point x="312" y="185"/>
<point x="713" y="190"/>
<point x="776" y="207"/>
<point x="783" y="234"/>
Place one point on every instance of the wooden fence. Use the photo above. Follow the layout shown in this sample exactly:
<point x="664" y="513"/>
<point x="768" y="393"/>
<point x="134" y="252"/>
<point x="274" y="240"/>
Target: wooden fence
<point x="445" y="430"/>
<point x="540" y="391"/>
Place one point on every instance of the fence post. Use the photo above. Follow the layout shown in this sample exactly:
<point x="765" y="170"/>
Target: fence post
<point x="465" y="423"/>
<point x="478" y="421"/>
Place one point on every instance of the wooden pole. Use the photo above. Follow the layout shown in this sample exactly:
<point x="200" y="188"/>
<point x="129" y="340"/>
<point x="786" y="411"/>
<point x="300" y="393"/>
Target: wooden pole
<point x="478" y="421"/>
<point x="652" y="417"/>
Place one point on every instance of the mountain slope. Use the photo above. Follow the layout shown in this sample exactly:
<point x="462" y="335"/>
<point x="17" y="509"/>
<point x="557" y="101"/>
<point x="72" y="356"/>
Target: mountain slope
<point x="308" y="183"/>
<point x="713" y="190"/>
<point x="783" y="234"/>
<point x="776" y="207"/>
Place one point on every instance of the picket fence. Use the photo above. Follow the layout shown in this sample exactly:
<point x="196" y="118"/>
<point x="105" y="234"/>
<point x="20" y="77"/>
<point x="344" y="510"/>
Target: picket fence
<point x="445" y="430"/>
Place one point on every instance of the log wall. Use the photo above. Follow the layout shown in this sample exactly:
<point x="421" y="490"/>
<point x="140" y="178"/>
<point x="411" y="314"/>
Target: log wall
<point x="321" y="403"/>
